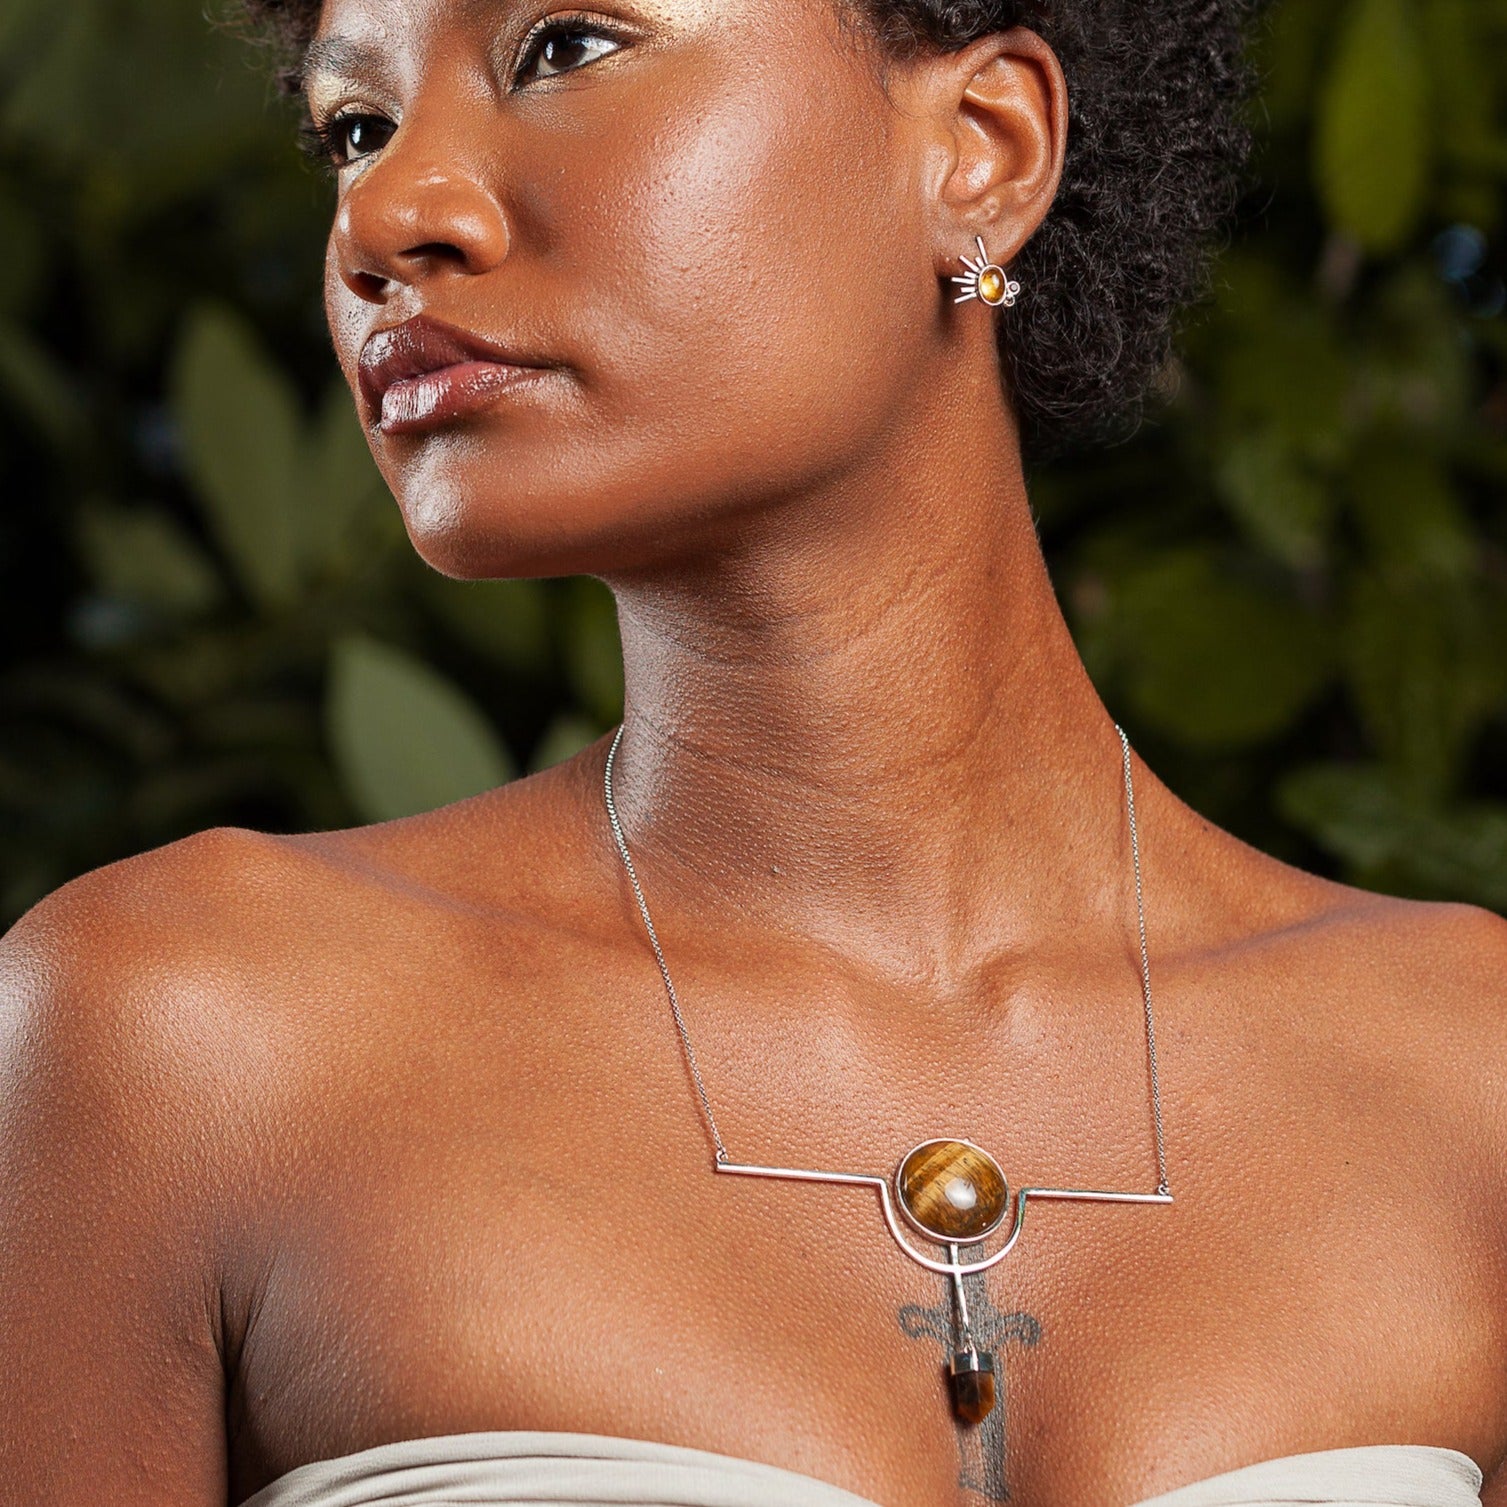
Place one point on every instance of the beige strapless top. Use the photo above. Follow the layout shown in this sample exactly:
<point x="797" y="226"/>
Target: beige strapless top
<point x="530" y="1469"/>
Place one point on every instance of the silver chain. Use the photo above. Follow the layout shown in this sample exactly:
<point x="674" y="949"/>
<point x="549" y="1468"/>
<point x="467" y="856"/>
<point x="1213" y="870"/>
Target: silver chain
<point x="1162" y="1185"/>
<point x="685" y="1036"/>
<point x="664" y="968"/>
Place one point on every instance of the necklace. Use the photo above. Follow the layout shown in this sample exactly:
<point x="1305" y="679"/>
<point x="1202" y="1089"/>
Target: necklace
<point x="948" y="1190"/>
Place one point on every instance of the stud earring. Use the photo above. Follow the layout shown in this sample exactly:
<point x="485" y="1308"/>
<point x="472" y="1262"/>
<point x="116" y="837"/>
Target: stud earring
<point x="986" y="282"/>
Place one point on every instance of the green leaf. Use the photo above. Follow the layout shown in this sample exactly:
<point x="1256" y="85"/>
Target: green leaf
<point x="1424" y="665"/>
<point x="242" y="445"/>
<point x="1410" y="367"/>
<point x="565" y="737"/>
<point x="1463" y="856"/>
<point x="404" y="738"/>
<point x="1214" y="661"/>
<point x="1282" y="505"/>
<point x="346" y="494"/>
<point x="1284" y="371"/>
<point x="27" y="257"/>
<point x="1407" y="510"/>
<point x="24" y="25"/>
<point x="1464" y="77"/>
<point x="141" y="555"/>
<point x="1373" y="144"/>
<point x="506" y="620"/>
<point x="1289" y="49"/>
<point x="48" y="100"/>
<point x="1354" y="811"/>
<point x="34" y="381"/>
<point x="593" y="651"/>
<point x="1363" y="816"/>
<point x="78" y="101"/>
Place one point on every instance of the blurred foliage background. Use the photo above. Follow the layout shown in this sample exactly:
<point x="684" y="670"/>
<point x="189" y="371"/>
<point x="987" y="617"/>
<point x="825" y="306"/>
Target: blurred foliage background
<point x="1292" y="586"/>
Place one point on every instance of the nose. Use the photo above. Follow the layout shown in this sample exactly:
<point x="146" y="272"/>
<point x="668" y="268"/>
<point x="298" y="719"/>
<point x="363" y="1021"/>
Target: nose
<point x="415" y="212"/>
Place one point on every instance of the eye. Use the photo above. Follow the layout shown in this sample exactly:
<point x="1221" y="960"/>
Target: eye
<point x="562" y="46"/>
<point x="347" y="138"/>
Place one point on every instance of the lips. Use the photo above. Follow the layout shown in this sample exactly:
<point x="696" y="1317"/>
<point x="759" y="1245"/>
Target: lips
<point x="423" y="372"/>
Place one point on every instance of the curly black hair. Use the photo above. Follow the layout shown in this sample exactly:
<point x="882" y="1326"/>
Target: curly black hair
<point x="1158" y="139"/>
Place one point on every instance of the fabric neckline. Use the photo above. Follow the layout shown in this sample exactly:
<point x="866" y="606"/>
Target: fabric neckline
<point x="482" y="1446"/>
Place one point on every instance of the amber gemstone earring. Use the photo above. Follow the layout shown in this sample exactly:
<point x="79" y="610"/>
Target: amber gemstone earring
<point x="990" y="284"/>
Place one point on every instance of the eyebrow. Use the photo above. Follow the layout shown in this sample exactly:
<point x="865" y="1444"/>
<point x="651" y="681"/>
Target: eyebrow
<point x="337" y="55"/>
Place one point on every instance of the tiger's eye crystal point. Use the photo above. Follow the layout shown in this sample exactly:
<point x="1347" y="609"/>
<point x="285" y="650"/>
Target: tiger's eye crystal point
<point x="952" y="1190"/>
<point x="993" y="285"/>
<point x="972" y="1378"/>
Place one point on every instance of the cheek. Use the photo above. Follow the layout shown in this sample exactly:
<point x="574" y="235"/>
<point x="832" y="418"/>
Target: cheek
<point x="760" y="301"/>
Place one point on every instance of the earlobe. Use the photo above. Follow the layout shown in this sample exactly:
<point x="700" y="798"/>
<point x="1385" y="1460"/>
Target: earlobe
<point x="1009" y="130"/>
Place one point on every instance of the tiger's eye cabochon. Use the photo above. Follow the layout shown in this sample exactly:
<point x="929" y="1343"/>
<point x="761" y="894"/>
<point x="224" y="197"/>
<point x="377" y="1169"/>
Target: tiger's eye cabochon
<point x="952" y="1190"/>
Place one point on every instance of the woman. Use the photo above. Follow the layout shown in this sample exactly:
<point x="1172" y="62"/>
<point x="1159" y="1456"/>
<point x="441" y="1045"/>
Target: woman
<point x="376" y="1165"/>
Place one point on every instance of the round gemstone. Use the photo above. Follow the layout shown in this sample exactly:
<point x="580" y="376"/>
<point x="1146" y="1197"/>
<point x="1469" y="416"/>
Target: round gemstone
<point x="951" y="1190"/>
<point x="993" y="285"/>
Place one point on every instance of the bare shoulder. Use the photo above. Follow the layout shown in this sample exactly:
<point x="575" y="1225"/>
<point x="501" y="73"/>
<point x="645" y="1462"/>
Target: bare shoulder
<point x="1407" y="996"/>
<point x="123" y="1028"/>
<point x="136" y="940"/>
<point x="1440" y="962"/>
<point x="229" y="957"/>
<point x="110" y="948"/>
<point x="119" y="1145"/>
<point x="526" y="850"/>
<point x="167" y="999"/>
<point x="1444" y="969"/>
<point x="1453" y="955"/>
<point x="1234" y="898"/>
<point x="1426" y="980"/>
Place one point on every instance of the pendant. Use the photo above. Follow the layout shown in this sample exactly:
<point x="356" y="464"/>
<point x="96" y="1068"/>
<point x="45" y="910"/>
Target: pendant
<point x="972" y="1378"/>
<point x="953" y="1193"/>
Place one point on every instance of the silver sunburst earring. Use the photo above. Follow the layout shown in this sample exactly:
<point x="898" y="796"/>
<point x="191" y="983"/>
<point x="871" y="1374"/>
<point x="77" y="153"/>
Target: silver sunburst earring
<point x="986" y="282"/>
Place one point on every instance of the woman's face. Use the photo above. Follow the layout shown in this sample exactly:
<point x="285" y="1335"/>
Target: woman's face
<point x="695" y="224"/>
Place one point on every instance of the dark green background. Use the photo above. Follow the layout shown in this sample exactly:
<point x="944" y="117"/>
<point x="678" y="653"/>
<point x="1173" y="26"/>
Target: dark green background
<point x="1292" y="588"/>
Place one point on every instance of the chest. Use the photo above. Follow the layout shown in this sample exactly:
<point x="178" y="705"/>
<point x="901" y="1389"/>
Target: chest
<point x="527" y="1233"/>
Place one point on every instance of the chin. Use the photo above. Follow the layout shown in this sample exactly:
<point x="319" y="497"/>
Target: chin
<point x="481" y="527"/>
<point x="482" y="505"/>
<point x="492" y="540"/>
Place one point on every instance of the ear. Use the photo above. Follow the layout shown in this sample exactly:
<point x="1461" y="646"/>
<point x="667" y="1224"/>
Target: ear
<point x="999" y="111"/>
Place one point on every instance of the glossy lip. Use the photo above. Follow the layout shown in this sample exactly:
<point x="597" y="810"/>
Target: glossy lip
<point x="424" y="373"/>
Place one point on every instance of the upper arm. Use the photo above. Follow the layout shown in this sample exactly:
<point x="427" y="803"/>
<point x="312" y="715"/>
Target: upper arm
<point x="111" y="1384"/>
<point x="1469" y="966"/>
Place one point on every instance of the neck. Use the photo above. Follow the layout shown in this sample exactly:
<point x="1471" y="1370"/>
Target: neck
<point x="867" y="723"/>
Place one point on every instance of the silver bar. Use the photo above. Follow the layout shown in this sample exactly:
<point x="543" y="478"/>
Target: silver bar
<point x="860" y="1179"/>
<point x="953" y="1268"/>
<point x="957" y="1286"/>
<point x="856" y="1179"/>
<point x="1086" y="1195"/>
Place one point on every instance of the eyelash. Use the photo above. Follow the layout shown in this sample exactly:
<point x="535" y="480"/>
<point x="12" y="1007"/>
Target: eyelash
<point x="323" y="140"/>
